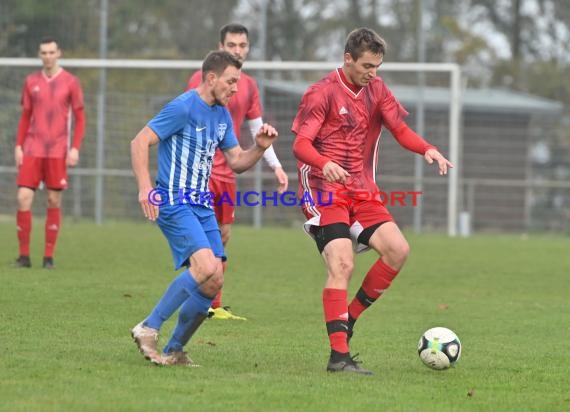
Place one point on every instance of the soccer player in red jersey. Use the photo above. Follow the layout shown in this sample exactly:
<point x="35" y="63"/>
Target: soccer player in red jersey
<point x="337" y="130"/>
<point x="41" y="151"/>
<point x="243" y="105"/>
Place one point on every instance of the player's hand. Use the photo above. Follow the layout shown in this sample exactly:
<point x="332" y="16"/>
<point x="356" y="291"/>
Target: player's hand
<point x="72" y="157"/>
<point x="18" y="156"/>
<point x="149" y="209"/>
<point x="265" y="136"/>
<point x="282" y="179"/>
<point x="334" y="173"/>
<point x="442" y="162"/>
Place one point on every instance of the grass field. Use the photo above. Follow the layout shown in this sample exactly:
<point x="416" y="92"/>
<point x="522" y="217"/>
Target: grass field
<point x="65" y="341"/>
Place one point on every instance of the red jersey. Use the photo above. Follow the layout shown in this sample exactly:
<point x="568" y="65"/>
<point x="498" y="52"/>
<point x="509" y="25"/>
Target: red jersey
<point x="50" y="100"/>
<point x="344" y="126"/>
<point x="243" y="105"/>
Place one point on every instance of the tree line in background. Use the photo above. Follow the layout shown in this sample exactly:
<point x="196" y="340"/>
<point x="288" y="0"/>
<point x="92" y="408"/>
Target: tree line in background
<point x="519" y="44"/>
<point x="522" y="44"/>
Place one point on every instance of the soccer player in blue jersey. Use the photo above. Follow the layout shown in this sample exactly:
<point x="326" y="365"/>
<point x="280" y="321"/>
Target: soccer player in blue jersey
<point x="188" y="130"/>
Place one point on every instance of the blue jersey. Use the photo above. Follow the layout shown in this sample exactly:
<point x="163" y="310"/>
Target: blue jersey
<point x="190" y="131"/>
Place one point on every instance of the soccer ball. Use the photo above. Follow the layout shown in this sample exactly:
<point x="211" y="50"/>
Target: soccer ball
<point x="439" y="348"/>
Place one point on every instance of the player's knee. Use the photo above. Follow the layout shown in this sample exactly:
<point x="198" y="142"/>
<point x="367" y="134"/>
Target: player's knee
<point x="213" y="284"/>
<point x="53" y="200"/>
<point x="398" y="253"/>
<point x="217" y="283"/>
<point x="25" y="199"/>
<point x="209" y="268"/>
<point x="403" y="251"/>
<point x="342" y="268"/>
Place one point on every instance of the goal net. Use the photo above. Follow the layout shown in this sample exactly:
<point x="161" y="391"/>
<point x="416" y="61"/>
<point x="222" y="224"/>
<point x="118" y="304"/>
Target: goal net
<point x="122" y="95"/>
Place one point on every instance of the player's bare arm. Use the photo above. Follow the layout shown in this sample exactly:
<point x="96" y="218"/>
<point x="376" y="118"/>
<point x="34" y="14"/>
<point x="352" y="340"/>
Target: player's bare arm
<point x="265" y="136"/>
<point x="432" y="155"/>
<point x="270" y="157"/>
<point x="334" y="173"/>
<point x="241" y="160"/>
<point x="282" y="179"/>
<point x="139" y="158"/>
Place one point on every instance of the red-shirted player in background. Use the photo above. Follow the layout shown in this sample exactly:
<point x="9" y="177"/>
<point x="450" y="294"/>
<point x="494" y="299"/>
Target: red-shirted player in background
<point x="243" y="105"/>
<point x="41" y="151"/>
<point x="337" y="131"/>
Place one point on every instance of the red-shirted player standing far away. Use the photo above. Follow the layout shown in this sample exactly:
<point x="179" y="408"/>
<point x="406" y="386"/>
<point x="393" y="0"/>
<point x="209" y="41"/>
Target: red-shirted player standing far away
<point x="41" y="151"/>
<point x="337" y="129"/>
<point x="245" y="104"/>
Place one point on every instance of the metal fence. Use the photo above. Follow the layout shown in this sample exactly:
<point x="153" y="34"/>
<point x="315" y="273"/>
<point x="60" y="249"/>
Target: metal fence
<point x="508" y="173"/>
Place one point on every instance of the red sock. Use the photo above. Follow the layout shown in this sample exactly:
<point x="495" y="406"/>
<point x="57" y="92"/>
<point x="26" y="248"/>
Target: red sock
<point x="377" y="280"/>
<point x="53" y="220"/>
<point x="24" y="227"/>
<point x="217" y="302"/>
<point x="335" y="305"/>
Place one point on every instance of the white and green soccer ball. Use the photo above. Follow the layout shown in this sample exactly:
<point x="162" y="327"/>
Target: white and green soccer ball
<point x="439" y="348"/>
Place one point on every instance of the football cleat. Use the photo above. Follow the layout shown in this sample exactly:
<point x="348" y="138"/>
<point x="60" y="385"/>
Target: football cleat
<point x="343" y="362"/>
<point x="48" y="263"/>
<point x="23" y="262"/>
<point x="223" y="313"/>
<point x="147" y="341"/>
<point x="177" y="358"/>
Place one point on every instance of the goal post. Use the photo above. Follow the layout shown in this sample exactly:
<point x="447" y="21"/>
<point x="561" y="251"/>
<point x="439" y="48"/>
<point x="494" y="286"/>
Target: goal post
<point x="455" y="105"/>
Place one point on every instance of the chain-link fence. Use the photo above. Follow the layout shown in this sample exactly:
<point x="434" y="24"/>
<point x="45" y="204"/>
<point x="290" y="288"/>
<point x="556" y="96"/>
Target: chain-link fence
<point x="509" y="177"/>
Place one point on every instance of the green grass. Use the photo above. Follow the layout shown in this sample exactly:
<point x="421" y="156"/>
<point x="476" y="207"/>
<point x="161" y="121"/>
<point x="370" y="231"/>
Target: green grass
<point x="65" y="341"/>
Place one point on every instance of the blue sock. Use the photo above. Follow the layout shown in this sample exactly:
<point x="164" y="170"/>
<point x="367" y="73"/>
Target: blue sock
<point x="192" y="314"/>
<point x="181" y="287"/>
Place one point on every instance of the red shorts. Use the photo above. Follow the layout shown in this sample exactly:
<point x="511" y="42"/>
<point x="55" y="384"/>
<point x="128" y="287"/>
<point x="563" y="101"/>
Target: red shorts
<point x="52" y="171"/>
<point x="224" y="200"/>
<point x="358" y="216"/>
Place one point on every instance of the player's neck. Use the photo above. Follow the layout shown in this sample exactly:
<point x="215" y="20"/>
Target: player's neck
<point x="345" y="79"/>
<point x="205" y="95"/>
<point x="52" y="71"/>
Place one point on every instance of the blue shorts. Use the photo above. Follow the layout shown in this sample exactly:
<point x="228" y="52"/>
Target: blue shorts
<point x="189" y="228"/>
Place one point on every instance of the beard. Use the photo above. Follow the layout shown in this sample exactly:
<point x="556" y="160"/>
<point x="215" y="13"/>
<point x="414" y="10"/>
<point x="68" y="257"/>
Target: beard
<point x="218" y="101"/>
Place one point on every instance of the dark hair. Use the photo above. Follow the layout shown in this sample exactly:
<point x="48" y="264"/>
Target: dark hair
<point x="363" y="40"/>
<point x="234" y="28"/>
<point x="217" y="62"/>
<point x="49" y="39"/>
